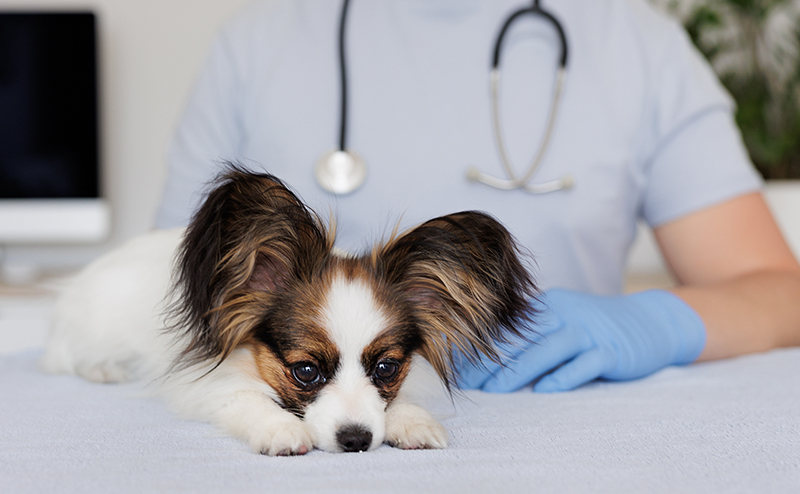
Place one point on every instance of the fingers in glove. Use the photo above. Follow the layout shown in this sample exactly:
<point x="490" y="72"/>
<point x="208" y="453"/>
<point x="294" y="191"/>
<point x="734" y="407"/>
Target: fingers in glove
<point x="584" y="368"/>
<point x="550" y="352"/>
<point x="473" y="376"/>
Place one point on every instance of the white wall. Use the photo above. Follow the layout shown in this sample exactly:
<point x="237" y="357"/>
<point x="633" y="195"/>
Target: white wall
<point x="151" y="51"/>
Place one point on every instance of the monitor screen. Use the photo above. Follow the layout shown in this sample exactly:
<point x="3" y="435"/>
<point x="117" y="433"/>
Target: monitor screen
<point x="48" y="106"/>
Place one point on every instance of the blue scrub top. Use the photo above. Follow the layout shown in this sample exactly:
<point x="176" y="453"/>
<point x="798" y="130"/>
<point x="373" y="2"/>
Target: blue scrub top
<point x="645" y="128"/>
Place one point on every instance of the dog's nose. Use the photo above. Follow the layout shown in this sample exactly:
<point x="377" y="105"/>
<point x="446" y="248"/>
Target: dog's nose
<point x="354" y="438"/>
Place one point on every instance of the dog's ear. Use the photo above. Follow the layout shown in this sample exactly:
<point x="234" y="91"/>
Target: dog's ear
<point x="463" y="277"/>
<point x="251" y="237"/>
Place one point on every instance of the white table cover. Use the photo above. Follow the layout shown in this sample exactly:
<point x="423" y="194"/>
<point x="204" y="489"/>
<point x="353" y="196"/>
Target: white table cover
<point x="729" y="426"/>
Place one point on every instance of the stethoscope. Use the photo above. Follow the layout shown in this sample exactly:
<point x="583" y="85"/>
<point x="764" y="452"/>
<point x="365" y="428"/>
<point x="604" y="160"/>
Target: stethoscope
<point x="342" y="171"/>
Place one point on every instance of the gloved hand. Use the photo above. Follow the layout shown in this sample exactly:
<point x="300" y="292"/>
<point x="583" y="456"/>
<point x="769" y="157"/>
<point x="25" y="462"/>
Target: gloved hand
<point x="585" y="337"/>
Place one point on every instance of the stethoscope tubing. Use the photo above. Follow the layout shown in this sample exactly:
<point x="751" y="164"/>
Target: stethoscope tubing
<point x="536" y="9"/>
<point x="343" y="76"/>
<point x="513" y="181"/>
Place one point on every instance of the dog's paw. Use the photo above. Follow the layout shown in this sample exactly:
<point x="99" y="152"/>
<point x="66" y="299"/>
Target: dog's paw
<point x="409" y="426"/>
<point x="104" y="372"/>
<point x="285" y="437"/>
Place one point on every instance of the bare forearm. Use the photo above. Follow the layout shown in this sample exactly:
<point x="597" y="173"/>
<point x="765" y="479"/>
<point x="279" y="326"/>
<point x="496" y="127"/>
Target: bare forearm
<point x="752" y="313"/>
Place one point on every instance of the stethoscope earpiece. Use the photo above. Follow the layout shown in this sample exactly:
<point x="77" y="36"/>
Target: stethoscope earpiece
<point x="340" y="172"/>
<point x="564" y="183"/>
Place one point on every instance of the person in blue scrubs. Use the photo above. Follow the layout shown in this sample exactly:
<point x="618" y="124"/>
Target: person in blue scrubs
<point x="644" y="129"/>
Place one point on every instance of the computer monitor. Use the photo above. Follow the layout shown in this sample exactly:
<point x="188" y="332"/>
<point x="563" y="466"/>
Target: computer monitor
<point x="50" y="188"/>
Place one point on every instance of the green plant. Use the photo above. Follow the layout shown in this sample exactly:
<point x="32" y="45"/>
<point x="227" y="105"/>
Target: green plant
<point x="754" y="46"/>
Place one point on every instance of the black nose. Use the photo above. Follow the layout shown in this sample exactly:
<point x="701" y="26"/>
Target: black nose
<point x="354" y="438"/>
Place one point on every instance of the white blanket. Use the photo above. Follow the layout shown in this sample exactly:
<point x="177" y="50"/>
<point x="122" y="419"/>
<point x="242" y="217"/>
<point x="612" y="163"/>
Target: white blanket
<point x="731" y="426"/>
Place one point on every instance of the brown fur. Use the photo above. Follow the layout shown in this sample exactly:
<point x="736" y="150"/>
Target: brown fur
<point x="250" y="238"/>
<point x="277" y="371"/>
<point x="464" y="283"/>
<point x="389" y="345"/>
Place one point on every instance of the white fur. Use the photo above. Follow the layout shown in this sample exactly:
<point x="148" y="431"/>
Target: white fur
<point x="352" y="316"/>
<point x="107" y="322"/>
<point x="353" y="320"/>
<point x="108" y="327"/>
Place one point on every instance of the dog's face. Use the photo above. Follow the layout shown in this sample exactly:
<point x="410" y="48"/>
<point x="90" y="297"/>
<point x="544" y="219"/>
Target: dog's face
<point x="334" y="336"/>
<point x="336" y="351"/>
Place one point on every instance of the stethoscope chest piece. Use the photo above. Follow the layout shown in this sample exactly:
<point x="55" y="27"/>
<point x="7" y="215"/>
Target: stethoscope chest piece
<point x="340" y="172"/>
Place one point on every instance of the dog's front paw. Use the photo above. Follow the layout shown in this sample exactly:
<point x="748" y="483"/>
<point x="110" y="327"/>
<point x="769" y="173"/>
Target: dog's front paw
<point x="104" y="372"/>
<point x="285" y="437"/>
<point x="409" y="426"/>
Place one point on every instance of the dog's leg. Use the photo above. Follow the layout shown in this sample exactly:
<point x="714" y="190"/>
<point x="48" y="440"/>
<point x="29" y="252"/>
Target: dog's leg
<point x="267" y="428"/>
<point x="236" y="400"/>
<point x="409" y="426"/>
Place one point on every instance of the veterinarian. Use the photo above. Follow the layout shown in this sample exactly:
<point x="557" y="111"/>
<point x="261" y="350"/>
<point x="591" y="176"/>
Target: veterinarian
<point x="643" y="131"/>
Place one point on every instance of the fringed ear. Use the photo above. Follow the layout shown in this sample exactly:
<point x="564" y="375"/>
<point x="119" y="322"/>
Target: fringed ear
<point x="463" y="277"/>
<point x="250" y="238"/>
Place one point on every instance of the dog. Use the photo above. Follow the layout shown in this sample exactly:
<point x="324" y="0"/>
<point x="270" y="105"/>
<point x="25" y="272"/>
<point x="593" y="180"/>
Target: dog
<point x="251" y="320"/>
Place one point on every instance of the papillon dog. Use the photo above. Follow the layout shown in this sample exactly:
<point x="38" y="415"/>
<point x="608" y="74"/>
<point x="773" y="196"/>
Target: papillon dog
<point x="250" y="319"/>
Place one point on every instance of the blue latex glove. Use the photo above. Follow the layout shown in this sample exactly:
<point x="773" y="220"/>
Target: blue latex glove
<point x="585" y="337"/>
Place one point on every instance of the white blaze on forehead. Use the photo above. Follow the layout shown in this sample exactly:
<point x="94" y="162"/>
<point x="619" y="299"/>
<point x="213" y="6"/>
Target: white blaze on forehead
<point x="353" y="319"/>
<point x="352" y="316"/>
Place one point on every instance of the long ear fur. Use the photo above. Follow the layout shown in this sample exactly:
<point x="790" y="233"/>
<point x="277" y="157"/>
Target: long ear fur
<point x="463" y="278"/>
<point x="248" y="239"/>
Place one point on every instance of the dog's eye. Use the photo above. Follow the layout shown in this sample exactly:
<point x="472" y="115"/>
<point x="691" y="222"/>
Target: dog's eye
<point x="386" y="370"/>
<point x="306" y="373"/>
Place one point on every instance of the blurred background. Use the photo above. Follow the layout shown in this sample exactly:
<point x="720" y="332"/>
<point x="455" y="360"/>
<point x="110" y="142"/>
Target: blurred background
<point x="149" y="52"/>
<point x="754" y="46"/>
